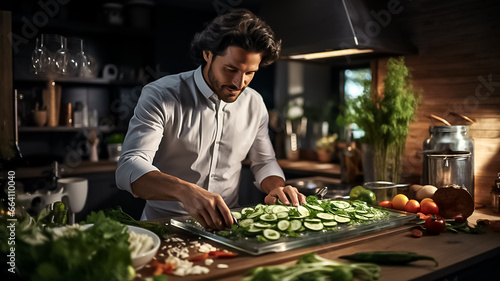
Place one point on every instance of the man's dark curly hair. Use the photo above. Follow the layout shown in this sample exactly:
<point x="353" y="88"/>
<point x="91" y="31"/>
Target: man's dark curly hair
<point x="240" y="28"/>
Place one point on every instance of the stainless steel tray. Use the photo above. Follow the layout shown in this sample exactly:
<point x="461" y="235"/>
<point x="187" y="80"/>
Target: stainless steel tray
<point x="254" y="247"/>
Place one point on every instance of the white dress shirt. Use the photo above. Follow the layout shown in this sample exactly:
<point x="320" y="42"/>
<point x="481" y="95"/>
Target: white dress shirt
<point x="181" y="128"/>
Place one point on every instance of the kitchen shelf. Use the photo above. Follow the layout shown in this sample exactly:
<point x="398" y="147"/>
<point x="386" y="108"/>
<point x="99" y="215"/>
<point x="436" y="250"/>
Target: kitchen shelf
<point x="88" y="28"/>
<point x="53" y="129"/>
<point x="80" y="81"/>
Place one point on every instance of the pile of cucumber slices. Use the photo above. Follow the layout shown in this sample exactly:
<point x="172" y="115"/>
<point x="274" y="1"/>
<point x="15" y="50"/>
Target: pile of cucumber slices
<point x="270" y="222"/>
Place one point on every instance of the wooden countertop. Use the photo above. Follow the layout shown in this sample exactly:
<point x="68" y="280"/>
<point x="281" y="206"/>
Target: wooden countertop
<point x="454" y="252"/>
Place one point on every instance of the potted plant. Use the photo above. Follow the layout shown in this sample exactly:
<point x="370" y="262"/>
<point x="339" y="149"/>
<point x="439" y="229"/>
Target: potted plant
<point x="385" y="120"/>
<point x="325" y="147"/>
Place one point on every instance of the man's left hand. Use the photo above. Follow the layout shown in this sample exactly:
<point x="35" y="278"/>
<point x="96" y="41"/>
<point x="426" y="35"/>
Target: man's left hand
<point x="285" y="195"/>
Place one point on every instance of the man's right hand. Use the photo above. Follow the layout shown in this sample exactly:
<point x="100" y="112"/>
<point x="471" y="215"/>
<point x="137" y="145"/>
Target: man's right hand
<point x="208" y="208"/>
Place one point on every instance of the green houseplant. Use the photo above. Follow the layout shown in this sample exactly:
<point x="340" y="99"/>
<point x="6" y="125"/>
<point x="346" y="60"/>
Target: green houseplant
<point x="385" y="119"/>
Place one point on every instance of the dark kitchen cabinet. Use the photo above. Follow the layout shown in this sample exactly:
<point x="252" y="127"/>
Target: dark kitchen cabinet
<point x="125" y="49"/>
<point x="103" y="194"/>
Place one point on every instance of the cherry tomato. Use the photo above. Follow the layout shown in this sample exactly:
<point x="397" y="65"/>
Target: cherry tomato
<point x="399" y="202"/>
<point x="412" y="206"/>
<point x="459" y="219"/>
<point x="387" y="204"/>
<point x="435" y="225"/>
<point x="429" y="208"/>
<point x="425" y="200"/>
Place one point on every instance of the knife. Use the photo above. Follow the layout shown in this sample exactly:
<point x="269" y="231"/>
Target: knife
<point x="322" y="192"/>
<point x="235" y="221"/>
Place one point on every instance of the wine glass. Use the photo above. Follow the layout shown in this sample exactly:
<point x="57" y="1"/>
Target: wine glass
<point x="79" y="62"/>
<point x="39" y="58"/>
<point x="61" y="58"/>
<point x="52" y="43"/>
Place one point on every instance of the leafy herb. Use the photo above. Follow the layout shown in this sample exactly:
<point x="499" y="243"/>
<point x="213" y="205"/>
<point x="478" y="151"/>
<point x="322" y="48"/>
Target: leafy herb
<point x="119" y="215"/>
<point x="385" y="118"/>
<point x="313" y="200"/>
<point x="100" y="252"/>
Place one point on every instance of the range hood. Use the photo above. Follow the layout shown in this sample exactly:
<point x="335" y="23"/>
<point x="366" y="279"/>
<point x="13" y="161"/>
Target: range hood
<point x="336" y="28"/>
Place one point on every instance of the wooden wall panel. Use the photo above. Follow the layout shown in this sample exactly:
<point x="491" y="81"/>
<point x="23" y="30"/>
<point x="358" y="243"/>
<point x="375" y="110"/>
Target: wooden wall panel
<point x="6" y="93"/>
<point x="458" y="69"/>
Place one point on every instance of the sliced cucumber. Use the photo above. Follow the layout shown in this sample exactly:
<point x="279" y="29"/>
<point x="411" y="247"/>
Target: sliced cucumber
<point x="268" y="217"/>
<point x="237" y="215"/>
<point x="303" y="211"/>
<point x="282" y="215"/>
<point x="313" y="226"/>
<point x="271" y="234"/>
<point x="262" y="225"/>
<point x="325" y="216"/>
<point x="361" y="211"/>
<point x="256" y="213"/>
<point x="341" y="204"/>
<point x="283" y="225"/>
<point x="246" y="222"/>
<point x="342" y="219"/>
<point x="269" y="209"/>
<point x="330" y="223"/>
<point x="369" y="215"/>
<point x="315" y="207"/>
<point x="247" y="211"/>
<point x="295" y="225"/>
<point x="312" y="220"/>
<point x="280" y="209"/>
<point x="360" y="217"/>
<point x="253" y="230"/>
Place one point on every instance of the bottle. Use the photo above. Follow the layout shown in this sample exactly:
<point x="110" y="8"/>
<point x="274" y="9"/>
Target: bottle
<point x="495" y="195"/>
<point x="78" y="115"/>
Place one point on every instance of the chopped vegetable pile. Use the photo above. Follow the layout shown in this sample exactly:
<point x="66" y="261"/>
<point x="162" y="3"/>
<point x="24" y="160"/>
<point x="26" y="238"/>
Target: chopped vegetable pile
<point x="270" y="222"/>
<point x="313" y="267"/>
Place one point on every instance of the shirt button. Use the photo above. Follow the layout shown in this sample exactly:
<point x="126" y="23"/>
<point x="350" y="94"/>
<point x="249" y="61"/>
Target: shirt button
<point x="217" y="142"/>
<point x="212" y="175"/>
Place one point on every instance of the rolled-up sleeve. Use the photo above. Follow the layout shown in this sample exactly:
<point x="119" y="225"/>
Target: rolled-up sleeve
<point x="261" y="154"/>
<point x="144" y="135"/>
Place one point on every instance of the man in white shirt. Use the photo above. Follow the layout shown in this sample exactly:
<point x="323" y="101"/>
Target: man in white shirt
<point x="191" y="131"/>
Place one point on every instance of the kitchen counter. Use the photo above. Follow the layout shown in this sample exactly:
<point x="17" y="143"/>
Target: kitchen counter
<point x="460" y="256"/>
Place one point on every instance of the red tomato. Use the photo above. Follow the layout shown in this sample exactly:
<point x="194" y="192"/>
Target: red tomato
<point x="387" y="204"/>
<point x="412" y="206"/>
<point x="429" y="207"/>
<point x="435" y="225"/>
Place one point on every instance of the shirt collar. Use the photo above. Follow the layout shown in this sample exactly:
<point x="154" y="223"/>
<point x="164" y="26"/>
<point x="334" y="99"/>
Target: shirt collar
<point x="201" y="83"/>
<point x="205" y="89"/>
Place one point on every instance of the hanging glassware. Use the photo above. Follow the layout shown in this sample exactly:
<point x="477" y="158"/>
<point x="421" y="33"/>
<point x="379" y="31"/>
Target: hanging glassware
<point x="39" y="58"/>
<point x="61" y="58"/>
<point x="79" y="62"/>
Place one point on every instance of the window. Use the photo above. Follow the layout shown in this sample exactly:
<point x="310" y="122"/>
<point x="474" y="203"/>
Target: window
<point x="354" y="81"/>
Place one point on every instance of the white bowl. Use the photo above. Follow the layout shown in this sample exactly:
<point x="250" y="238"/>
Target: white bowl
<point x="138" y="261"/>
<point x="141" y="260"/>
